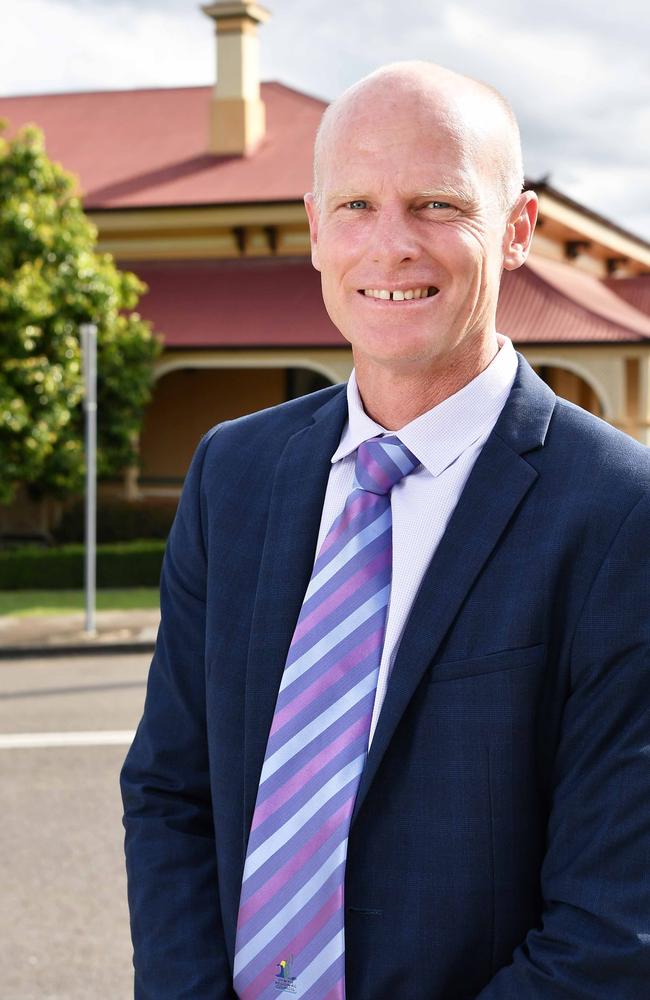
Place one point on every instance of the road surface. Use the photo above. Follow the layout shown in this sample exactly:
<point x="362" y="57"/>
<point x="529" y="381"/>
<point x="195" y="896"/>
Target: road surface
<point x="65" y="725"/>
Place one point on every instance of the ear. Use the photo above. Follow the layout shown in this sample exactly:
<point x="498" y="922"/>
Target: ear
<point x="519" y="230"/>
<point x="313" y="215"/>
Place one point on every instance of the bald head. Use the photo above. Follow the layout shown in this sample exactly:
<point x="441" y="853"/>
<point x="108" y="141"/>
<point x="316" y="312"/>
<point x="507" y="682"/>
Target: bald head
<point x="466" y="108"/>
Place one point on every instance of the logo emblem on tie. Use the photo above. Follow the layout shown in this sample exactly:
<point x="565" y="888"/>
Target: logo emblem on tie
<point x="284" y="979"/>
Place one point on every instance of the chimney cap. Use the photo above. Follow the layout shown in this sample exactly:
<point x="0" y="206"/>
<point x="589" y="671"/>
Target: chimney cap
<point x="237" y="8"/>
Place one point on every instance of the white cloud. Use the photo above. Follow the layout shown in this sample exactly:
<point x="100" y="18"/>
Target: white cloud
<point x="54" y="45"/>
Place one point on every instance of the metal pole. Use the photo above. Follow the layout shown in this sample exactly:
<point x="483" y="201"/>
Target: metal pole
<point x="89" y="356"/>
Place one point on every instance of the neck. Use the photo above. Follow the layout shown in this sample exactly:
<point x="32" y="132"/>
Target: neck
<point x="395" y="396"/>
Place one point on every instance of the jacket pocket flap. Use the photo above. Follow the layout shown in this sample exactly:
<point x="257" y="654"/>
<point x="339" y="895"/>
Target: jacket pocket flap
<point x="505" y="659"/>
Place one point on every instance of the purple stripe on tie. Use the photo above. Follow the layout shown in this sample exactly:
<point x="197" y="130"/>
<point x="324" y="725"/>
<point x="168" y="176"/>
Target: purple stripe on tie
<point x="351" y="529"/>
<point x="296" y="945"/>
<point x="371" y="577"/>
<point x="337" y="992"/>
<point x="347" y="645"/>
<point x="295" y="862"/>
<point x="326" y="982"/>
<point x="315" y="915"/>
<point x="312" y="766"/>
<point x="325" y="678"/>
<point x="365" y="552"/>
<point x="277" y="780"/>
<point x="388" y="466"/>
<point x="342" y="571"/>
<point x="376" y="475"/>
<point x="281" y="856"/>
<point x="363" y="501"/>
<point x="344" y="648"/>
<point x="293" y="888"/>
<point x="339" y="686"/>
<point x="313" y="949"/>
<point x="332" y="631"/>
<point x="343" y="585"/>
<point x="351" y="751"/>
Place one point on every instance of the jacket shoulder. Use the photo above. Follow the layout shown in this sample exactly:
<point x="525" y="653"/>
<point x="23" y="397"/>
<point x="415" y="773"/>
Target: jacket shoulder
<point x="610" y="455"/>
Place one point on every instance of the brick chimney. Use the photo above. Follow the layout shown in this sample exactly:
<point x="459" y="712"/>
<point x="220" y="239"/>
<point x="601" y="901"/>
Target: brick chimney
<point x="237" y="114"/>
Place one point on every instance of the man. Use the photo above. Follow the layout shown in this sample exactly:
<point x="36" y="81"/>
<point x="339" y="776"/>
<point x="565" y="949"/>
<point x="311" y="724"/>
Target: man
<point x="425" y="774"/>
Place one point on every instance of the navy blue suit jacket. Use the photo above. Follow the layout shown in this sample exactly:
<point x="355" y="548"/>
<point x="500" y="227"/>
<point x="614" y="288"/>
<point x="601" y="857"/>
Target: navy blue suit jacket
<point x="500" y="842"/>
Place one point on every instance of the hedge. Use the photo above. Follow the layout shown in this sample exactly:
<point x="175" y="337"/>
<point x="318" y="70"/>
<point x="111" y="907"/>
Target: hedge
<point x="131" y="564"/>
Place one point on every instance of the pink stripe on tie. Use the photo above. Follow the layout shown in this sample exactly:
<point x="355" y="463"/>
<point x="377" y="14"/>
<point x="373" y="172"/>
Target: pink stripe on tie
<point x="356" y="505"/>
<point x="300" y="779"/>
<point x="378" y="474"/>
<point x="336" y="992"/>
<point x="341" y="593"/>
<point x="321" y="683"/>
<point x="307" y="934"/>
<point x="294" y="864"/>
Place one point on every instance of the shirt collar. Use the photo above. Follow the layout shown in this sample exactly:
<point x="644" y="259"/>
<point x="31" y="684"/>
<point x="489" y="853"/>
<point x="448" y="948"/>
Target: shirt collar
<point x="439" y="436"/>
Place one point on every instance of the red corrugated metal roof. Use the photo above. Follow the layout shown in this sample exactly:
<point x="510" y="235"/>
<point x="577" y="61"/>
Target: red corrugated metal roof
<point x="277" y="302"/>
<point x="136" y="148"/>
<point x="274" y="302"/>
<point x="548" y="301"/>
<point x="635" y="291"/>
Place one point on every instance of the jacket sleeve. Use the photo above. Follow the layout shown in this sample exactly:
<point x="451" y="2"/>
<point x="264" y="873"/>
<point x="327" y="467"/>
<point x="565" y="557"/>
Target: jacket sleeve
<point x="178" y="940"/>
<point x="594" y="939"/>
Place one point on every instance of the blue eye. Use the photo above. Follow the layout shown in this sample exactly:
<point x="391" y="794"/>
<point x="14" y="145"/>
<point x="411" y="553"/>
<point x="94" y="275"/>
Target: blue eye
<point x="440" y="204"/>
<point x="358" y="203"/>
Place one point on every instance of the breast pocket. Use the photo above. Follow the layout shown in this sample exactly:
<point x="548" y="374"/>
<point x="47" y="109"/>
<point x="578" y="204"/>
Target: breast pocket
<point x="477" y="666"/>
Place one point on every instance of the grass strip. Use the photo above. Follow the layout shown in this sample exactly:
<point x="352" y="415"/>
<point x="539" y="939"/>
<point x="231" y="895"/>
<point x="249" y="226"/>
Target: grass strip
<point x="59" y="602"/>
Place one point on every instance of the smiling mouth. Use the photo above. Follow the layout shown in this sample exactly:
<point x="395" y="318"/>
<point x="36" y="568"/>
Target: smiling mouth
<point x="399" y="295"/>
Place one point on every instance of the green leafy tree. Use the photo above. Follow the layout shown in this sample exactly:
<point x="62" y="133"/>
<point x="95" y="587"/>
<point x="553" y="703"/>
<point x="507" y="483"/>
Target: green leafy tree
<point x="52" y="280"/>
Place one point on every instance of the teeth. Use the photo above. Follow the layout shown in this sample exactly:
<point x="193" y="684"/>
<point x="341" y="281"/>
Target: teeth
<point x="398" y="295"/>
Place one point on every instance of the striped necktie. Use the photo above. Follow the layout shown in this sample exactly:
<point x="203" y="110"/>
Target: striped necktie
<point x="290" y="930"/>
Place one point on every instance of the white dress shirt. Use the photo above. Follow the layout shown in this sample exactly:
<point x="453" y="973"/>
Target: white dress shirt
<point x="447" y="440"/>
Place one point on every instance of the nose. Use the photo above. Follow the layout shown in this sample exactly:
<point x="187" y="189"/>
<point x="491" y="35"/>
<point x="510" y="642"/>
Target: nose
<point x="393" y="240"/>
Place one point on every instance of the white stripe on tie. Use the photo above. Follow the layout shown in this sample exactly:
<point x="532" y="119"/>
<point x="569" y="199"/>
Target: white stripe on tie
<point x="320" y="649"/>
<point x="297" y="820"/>
<point x="251" y="950"/>
<point x="358" y="542"/>
<point x="397" y="456"/>
<point x="332" y="950"/>
<point x="317" y="726"/>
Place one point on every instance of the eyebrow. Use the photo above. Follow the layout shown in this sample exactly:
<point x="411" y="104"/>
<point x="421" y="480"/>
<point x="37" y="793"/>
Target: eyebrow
<point x="461" y="195"/>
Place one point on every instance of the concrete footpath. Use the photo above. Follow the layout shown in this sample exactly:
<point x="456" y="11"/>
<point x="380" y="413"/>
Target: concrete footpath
<point x="63" y="635"/>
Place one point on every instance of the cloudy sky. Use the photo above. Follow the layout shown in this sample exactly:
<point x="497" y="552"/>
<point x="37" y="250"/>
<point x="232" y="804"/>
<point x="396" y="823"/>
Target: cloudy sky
<point x="576" y="71"/>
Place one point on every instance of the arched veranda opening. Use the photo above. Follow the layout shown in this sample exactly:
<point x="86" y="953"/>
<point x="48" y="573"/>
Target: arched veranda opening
<point x="572" y="386"/>
<point x="187" y="401"/>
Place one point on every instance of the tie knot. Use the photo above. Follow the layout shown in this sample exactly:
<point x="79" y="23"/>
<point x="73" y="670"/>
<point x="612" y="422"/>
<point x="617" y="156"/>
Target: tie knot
<point x="382" y="462"/>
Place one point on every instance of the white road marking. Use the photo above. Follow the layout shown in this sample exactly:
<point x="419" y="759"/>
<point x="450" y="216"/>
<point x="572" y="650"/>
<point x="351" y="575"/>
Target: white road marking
<point x="92" y="738"/>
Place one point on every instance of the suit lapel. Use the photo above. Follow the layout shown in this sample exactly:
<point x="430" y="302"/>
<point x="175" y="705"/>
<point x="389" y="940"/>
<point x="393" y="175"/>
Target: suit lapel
<point x="295" y="511"/>
<point x="497" y="485"/>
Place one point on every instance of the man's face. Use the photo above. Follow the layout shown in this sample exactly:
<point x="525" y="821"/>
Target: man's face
<point x="410" y="205"/>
